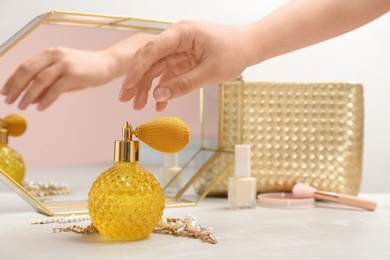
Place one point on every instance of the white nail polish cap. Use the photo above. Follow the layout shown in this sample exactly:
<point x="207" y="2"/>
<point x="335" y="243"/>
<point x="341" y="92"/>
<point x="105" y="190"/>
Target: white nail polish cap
<point x="171" y="160"/>
<point x="242" y="160"/>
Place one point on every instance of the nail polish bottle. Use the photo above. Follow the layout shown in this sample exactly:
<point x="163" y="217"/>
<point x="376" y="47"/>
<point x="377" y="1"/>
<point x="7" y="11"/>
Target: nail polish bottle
<point x="241" y="186"/>
<point x="10" y="160"/>
<point x="126" y="201"/>
<point x="170" y="178"/>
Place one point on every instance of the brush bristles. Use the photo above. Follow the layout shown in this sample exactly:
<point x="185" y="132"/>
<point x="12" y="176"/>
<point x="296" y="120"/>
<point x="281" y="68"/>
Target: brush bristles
<point x="301" y="190"/>
<point x="166" y="134"/>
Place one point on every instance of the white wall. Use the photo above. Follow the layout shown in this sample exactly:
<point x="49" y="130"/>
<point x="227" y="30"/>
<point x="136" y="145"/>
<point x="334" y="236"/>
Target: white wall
<point x="362" y="55"/>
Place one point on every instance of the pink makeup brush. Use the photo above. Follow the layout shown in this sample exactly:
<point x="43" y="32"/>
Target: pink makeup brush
<point x="301" y="190"/>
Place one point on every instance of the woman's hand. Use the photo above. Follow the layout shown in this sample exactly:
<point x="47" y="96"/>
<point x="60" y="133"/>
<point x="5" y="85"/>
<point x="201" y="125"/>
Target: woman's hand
<point x="187" y="56"/>
<point x="43" y="78"/>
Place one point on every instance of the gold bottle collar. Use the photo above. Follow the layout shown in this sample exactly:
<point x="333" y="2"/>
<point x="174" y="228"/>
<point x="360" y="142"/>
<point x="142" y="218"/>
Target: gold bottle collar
<point x="126" y="150"/>
<point x="3" y="136"/>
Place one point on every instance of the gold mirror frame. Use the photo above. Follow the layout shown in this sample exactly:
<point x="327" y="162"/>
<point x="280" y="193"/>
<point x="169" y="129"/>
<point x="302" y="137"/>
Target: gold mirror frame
<point x="56" y="209"/>
<point x="86" y="20"/>
<point x="208" y="153"/>
<point x="65" y="18"/>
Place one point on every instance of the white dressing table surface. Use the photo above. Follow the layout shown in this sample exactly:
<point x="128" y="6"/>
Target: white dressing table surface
<point x="327" y="231"/>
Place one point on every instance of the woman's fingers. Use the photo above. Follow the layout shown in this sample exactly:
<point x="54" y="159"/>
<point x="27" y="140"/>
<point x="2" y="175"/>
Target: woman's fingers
<point x="52" y="93"/>
<point x="173" y="40"/>
<point x="44" y="80"/>
<point x="194" y="55"/>
<point x="23" y="76"/>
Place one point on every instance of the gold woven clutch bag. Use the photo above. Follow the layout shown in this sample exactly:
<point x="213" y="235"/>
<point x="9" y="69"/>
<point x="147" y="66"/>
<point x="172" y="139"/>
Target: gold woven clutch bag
<point x="306" y="132"/>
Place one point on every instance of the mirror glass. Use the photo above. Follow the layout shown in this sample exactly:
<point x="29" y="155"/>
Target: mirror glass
<point x="71" y="138"/>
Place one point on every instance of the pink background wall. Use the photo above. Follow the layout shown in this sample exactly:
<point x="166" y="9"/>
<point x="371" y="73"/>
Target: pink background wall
<point x="80" y="127"/>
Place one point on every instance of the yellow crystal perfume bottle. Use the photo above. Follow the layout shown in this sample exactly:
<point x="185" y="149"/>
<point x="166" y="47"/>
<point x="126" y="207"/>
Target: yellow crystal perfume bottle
<point x="126" y="201"/>
<point x="10" y="161"/>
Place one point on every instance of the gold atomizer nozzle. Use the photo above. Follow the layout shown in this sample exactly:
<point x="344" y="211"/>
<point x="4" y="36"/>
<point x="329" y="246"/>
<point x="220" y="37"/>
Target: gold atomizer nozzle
<point x="126" y="150"/>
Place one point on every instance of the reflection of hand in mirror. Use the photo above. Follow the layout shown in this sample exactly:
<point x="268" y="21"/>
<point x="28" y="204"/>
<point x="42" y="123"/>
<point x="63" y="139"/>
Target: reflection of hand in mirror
<point x="190" y="55"/>
<point x="43" y="78"/>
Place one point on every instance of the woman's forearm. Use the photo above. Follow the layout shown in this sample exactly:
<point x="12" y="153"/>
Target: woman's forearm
<point x="301" y="23"/>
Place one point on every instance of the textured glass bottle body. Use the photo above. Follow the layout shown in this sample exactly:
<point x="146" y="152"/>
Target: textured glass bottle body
<point x="126" y="202"/>
<point x="12" y="163"/>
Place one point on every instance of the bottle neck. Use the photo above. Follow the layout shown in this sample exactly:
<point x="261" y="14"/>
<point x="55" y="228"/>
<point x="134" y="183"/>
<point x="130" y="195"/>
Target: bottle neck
<point x="3" y="136"/>
<point x="126" y="151"/>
